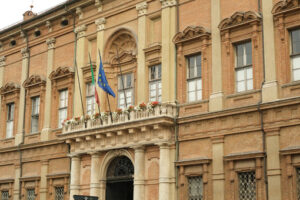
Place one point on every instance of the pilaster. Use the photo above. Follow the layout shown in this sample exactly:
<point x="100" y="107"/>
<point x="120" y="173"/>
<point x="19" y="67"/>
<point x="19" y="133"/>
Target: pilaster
<point x="43" y="181"/>
<point x="168" y="17"/>
<point x="75" y="175"/>
<point x="46" y="131"/>
<point x="139" y="173"/>
<point x="164" y="171"/>
<point x="24" y="75"/>
<point x="2" y="65"/>
<point x="142" y="35"/>
<point x="95" y="179"/>
<point x="216" y="98"/>
<point x="17" y="182"/>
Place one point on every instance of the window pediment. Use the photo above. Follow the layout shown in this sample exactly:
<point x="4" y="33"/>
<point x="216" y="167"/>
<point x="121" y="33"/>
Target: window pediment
<point x="61" y="72"/>
<point x="190" y="33"/>
<point x="125" y="57"/>
<point x="34" y="80"/>
<point x="239" y="19"/>
<point x="10" y="88"/>
<point x="284" y="5"/>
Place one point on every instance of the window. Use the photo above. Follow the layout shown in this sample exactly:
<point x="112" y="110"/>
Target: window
<point x="298" y="183"/>
<point x="30" y="194"/>
<point x="90" y="98"/>
<point x="35" y="111"/>
<point x="247" y="185"/>
<point x="295" y="56"/>
<point x="125" y="87"/>
<point x="63" y="107"/>
<point x="4" y="195"/>
<point x="244" y="74"/>
<point x="194" y="80"/>
<point x="195" y="188"/>
<point x="155" y="83"/>
<point x="10" y="120"/>
<point x="59" y="193"/>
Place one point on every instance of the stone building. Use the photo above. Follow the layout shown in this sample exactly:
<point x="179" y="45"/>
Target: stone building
<point x="226" y="74"/>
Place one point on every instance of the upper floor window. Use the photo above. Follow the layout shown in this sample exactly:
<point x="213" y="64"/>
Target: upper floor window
<point x="195" y="185"/>
<point x="35" y="111"/>
<point x="30" y="194"/>
<point x="194" y="80"/>
<point x="59" y="193"/>
<point x="295" y="55"/>
<point x="63" y="107"/>
<point x="10" y="120"/>
<point x="4" y="195"/>
<point x="155" y="83"/>
<point x="247" y="185"/>
<point x="90" y="98"/>
<point x="243" y="69"/>
<point x="125" y="87"/>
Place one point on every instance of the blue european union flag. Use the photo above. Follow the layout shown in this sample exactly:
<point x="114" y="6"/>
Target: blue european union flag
<point x="102" y="82"/>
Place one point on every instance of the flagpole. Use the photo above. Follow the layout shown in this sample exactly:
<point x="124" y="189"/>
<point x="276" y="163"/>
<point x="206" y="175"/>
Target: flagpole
<point x="95" y="89"/>
<point x="121" y="78"/>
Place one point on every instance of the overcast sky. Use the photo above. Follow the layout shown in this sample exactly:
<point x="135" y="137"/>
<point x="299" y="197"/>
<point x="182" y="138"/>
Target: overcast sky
<point x="11" y="11"/>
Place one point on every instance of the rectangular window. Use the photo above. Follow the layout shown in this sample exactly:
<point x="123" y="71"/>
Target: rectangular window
<point x="90" y="98"/>
<point x="155" y="83"/>
<point x="125" y="87"/>
<point x="195" y="188"/>
<point x="243" y="69"/>
<point x="4" y="195"/>
<point x="63" y="107"/>
<point x="59" y="193"/>
<point x="247" y="185"/>
<point x="35" y="111"/>
<point x="295" y="56"/>
<point x="10" y="108"/>
<point x="298" y="183"/>
<point x="30" y="194"/>
<point x="194" y="81"/>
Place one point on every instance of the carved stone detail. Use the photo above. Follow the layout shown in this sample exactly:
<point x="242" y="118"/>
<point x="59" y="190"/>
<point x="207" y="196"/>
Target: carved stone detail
<point x="142" y="8"/>
<point x="168" y="3"/>
<point x="61" y="72"/>
<point x="99" y="5"/>
<point x="34" y="80"/>
<point x="2" y="61"/>
<point x="80" y="30"/>
<point x="79" y="12"/>
<point x="49" y="26"/>
<point x="25" y="52"/>
<point x="284" y="5"/>
<point x="9" y="87"/>
<point x="51" y="43"/>
<point x="239" y="18"/>
<point x="100" y="23"/>
<point x="190" y="33"/>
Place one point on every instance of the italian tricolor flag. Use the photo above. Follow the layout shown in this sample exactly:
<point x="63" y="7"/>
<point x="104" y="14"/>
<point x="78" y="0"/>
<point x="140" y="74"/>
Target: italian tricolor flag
<point x="93" y="83"/>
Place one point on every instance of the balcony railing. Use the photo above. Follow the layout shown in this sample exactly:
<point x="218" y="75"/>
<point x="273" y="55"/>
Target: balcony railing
<point x="162" y="110"/>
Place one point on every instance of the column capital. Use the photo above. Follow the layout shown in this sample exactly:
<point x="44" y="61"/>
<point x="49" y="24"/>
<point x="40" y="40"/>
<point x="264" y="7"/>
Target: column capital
<point x="142" y="8"/>
<point x="51" y="43"/>
<point x="138" y="148"/>
<point x="25" y="52"/>
<point x="94" y="153"/>
<point x="2" y="61"/>
<point x="100" y="23"/>
<point x="74" y="155"/>
<point x="168" y="3"/>
<point x="163" y="145"/>
<point x="99" y="4"/>
<point x="80" y="30"/>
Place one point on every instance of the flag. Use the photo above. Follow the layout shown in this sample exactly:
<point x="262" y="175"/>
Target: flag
<point x="93" y="83"/>
<point x="102" y="81"/>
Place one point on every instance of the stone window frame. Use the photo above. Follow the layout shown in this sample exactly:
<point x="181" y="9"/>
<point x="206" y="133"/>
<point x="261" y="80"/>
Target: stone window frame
<point x="201" y="163"/>
<point x="7" y="185"/>
<point x="30" y="183"/>
<point x="241" y="27"/>
<point x="61" y="78"/>
<point x="35" y="86"/>
<point x="58" y="180"/>
<point x="231" y="173"/>
<point x="284" y="16"/>
<point x="10" y="93"/>
<point x="191" y="41"/>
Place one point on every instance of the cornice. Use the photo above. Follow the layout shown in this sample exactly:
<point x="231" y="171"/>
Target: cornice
<point x="61" y="72"/>
<point x="191" y="33"/>
<point x="9" y="88"/>
<point x="284" y="5"/>
<point x="34" y="80"/>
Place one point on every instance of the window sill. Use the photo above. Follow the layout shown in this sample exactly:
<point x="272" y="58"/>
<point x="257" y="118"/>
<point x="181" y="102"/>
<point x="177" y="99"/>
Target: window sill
<point x="242" y="93"/>
<point x="193" y="103"/>
<point x="8" y="139"/>
<point x="293" y="83"/>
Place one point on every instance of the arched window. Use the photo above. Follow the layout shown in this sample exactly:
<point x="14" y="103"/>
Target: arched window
<point x="120" y="168"/>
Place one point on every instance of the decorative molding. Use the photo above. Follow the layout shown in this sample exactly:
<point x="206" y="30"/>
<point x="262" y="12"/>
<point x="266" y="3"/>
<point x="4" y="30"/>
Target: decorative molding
<point x="49" y="26"/>
<point x="9" y="88"/>
<point x="61" y="72"/>
<point x="168" y="3"/>
<point x="34" y="80"/>
<point x="100" y="23"/>
<point x="25" y="52"/>
<point x="51" y="43"/>
<point x="79" y="12"/>
<point x="191" y="33"/>
<point x="284" y="5"/>
<point x="244" y="155"/>
<point x="238" y="19"/>
<point x="142" y="8"/>
<point x="2" y="61"/>
<point x="99" y="5"/>
<point x="80" y="31"/>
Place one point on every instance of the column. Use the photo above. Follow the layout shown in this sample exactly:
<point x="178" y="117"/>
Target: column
<point x="164" y="172"/>
<point x="141" y="69"/>
<point x="43" y="182"/>
<point x="2" y="65"/>
<point x="270" y="87"/>
<point x="100" y="23"/>
<point x="77" y="109"/>
<point x="50" y="59"/>
<point x="273" y="164"/>
<point x="218" y="177"/>
<point x="168" y="23"/>
<point x="17" y="182"/>
<point x="24" y="75"/>
<point x="216" y="98"/>
<point x="139" y="173"/>
<point x="75" y="175"/>
<point x="95" y="179"/>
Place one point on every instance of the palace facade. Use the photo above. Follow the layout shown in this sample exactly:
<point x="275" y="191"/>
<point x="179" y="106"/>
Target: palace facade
<point x="207" y="102"/>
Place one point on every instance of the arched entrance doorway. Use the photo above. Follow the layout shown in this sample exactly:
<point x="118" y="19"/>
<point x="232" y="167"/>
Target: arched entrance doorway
<point x="119" y="179"/>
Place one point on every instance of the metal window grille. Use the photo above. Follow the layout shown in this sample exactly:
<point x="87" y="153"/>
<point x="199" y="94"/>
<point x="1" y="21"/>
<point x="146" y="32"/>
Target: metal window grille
<point x="30" y="194"/>
<point x="298" y="183"/>
<point x="195" y="188"/>
<point x="4" y="195"/>
<point x="59" y="193"/>
<point x="247" y="185"/>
